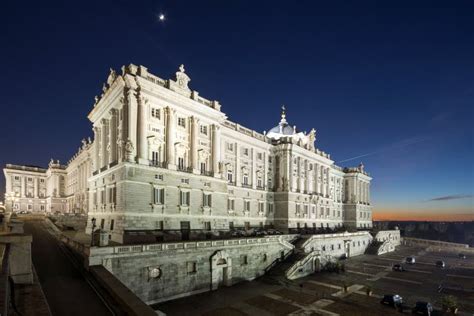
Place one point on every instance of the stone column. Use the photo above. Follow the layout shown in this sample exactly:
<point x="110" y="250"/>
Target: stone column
<point x="216" y="150"/>
<point x="103" y="146"/>
<point x="194" y="143"/>
<point x="316" y="178"/>
<point x="328" y="189"/>
<point x="290" y="171"/>
<point x="132" y="109"/>
<point x="308" y="177"/>
<point x="142" y="131"/>
<point x="254" y="167"/>
<point x="238" y="171"/>
<point x="170" y="137"/>
<point x="265" y="171"/>
<point x="96" y="157"/>
<point x="36" y="186"/>
<point x="113" y="136"/>
<point x="368" y="193"/>
<point x="23" y="186"/>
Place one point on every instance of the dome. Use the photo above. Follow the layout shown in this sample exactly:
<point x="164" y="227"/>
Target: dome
<point x="283" y="129"/>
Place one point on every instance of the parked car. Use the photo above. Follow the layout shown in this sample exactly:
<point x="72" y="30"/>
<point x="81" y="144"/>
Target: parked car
<point x="423" y="308"/>
<point x="398" y="267"/>
<point x="462" y="256"/>
<point x="440" y="264"/>
<point x="410" y="260"/>
<point x="394" y="300"/>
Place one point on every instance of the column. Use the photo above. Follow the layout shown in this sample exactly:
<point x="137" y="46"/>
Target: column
<point x="216" y="142"/>
<point x="254" y="167"/>
<point x="36" y="186"/>
<point x="113" y="136"/>
<point x="289" y="171"/>
<point x="23" y="186"/>
<point x="103" y="146"/>
<point x="328" y="190"/>
<point x="96" y="157"/>
<point x="194" y="143"/>
<point x="238" y="171"/>
<point x="308" y="177"/>
<point x="316" y="179"/>
<point x="142" y="131"/>
<point x="368" y="193"/>
<point x="170" y="137"/>
<point x="132" y="109"/>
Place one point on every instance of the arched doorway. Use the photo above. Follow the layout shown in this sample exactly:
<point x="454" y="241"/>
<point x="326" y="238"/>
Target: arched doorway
<point x="221" y="269"/>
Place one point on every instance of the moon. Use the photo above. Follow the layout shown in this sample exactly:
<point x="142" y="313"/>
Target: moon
<point x="161" y="17"/>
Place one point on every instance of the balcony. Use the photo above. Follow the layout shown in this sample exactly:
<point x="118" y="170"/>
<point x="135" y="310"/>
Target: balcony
<point x="159" y="164"/>
<point x="207" y="173"/>
<point x="260" y="188"/>
<point x="185" y="169"/>
<point x="245" y="185"/>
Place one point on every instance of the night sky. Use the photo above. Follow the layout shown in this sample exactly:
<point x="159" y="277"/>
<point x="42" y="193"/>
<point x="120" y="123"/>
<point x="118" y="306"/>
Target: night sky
<point x="390" y="86"/>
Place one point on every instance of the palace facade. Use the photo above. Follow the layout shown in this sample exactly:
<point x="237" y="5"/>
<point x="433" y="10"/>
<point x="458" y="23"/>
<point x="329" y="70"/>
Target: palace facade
<point x="164" y="158"/>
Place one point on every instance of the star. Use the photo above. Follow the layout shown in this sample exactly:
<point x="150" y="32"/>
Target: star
<point x="161" y="17"/>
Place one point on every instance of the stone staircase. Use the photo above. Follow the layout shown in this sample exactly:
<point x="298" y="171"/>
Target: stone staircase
<point x="373" y="248"/>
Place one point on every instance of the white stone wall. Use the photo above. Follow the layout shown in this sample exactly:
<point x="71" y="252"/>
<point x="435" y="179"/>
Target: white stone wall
<point x="189" y="267"/>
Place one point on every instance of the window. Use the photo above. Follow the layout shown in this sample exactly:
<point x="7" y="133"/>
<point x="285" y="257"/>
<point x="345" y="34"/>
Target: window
<point x="231" y="225"/>
<point x="243" y="260"/>
<point x="155" y="157"/>
<point x="112" y="222"/>
<point x="324" y="248"/>
<point x="259" y="156"/>
<point x="113" y="195"/>
<point x="245" y="179"/>
<point x="230" y="204"/>
<point x="30" y="207"/>
<point x="42" y="207"/>
<point x="332" y="247"/>
<point x="159" y="225"/>
<point x="191" y="267"/>
<point x="102" y="223"/>
<point x="184" y="198"/>
<point x="158" y="196"/>
<point x="155" y="113"/>
<point x="17" y="178"/>
<point x="230" y="177"/>
<point x="338" y="246"/>
<point x="230" y="146"/>
<point x="206" y="200"/>
<point x="246" y="151"/>
<point x="207" y="226"/>
<point x="182" y="122"/>
<point x="261" y="207"/>
<point x="270" y="207"/>
<point x="30" y="179"/>
<point x="42" y="180"/>
<point x="247" y="206"/>
<point x="264" y="258"/>
<point x="270" y="159"/>
<point x="203" y="129"/>
<point x="102" y="196"/>
<point x="181" y="163"/>
<point x="203" y="167"/>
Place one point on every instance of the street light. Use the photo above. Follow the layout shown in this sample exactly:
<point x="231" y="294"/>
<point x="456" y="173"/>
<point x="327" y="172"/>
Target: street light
<point x="92" y="233"/>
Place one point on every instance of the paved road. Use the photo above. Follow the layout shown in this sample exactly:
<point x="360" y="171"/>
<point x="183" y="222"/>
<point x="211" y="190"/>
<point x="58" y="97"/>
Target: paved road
<point x="66" y="291"/>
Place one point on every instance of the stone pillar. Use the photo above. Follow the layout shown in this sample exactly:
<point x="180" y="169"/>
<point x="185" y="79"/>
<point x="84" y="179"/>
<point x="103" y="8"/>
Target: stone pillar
<point x="308" y="177"/>
<point x="216" y="148"/>
<point x="316" y="178"/>
<point x="97" y="138"/>
<point x="142" y="131"/>
<point x="104" y="142"/>
<point x="23" y="186"/>
<point x="265" y="171"/>
<point x="36" y="186"/>
<point x="170" y="137"/>
<point x="368" y="193"/>
<point x="328" y="182"/>
<point x="290" y="171"/>
<point x="113" y="136"/>
<point x="132" y="108"/>
<point x="254" y="169"/>
<point x="194" y="143"/>
<point x="238" y="171"/>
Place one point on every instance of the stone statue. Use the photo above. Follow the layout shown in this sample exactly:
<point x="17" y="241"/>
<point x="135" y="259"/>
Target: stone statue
<point x="182" y="79"/>
<point x="96" y="99"/>
<point x="84" y="143"/>
<point x="312" y="138"/>
<point x="129" y="149"/>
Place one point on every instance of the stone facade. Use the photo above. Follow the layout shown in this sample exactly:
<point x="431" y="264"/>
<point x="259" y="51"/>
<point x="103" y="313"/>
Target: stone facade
<point x="160" y="272"/>
<point x="168" y="159"/>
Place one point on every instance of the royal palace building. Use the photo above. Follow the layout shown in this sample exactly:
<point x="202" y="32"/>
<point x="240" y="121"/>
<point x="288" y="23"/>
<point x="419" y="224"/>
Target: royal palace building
<point x="165" y="159"/>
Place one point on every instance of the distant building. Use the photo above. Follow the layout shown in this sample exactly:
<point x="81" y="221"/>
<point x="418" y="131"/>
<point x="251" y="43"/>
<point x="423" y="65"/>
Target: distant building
<point x="166" y="159"/>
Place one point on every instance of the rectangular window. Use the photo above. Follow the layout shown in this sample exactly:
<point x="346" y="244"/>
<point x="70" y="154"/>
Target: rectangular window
<point x="42" y="180"/>
<point x="191" y="267"/>
<point x="259" y="183"/>
<point x="112" y="222"/>
<point x="261" y="207"/>
<point x="231" y="225"/>
<point x="102" y="223"/>
<point x="207" y="226"/>
<point x="246" y="151"/>
<point x="42" y="207"/>
<point x="182" y="122"/>
<point x="230" y="146"/>
<point x="158" y="196"/>
<point x="245" y="180"/>
<point x="270" y="207"/>
<point x="102" y="197"/>
<point x="181" y="163"/>
<point x="112" y="195"/>
<point x="184" y="198"/>
<point x="206" y="200"/>
<point x="203" y="129"/>
<point x="247" y="206"/>
<point x="155" y="113"/>
<point x="155" y="157"/>
<point x="259" y="156"/>
<point x="230" y="204"/>
<point x="230" y="177"/>
<point x="203" y="167"/>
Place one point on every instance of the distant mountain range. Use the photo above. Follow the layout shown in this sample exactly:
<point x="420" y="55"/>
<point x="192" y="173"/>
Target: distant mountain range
<point x="459" y="232"/>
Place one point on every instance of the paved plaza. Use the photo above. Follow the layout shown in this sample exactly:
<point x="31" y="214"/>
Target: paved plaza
<point x="322" y="293"/>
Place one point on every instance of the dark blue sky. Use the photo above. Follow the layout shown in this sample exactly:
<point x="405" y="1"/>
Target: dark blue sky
<point x="393" y="81"/>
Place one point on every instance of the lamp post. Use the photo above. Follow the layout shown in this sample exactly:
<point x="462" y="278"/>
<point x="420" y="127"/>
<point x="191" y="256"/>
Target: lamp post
<point x="92" y="232"/>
